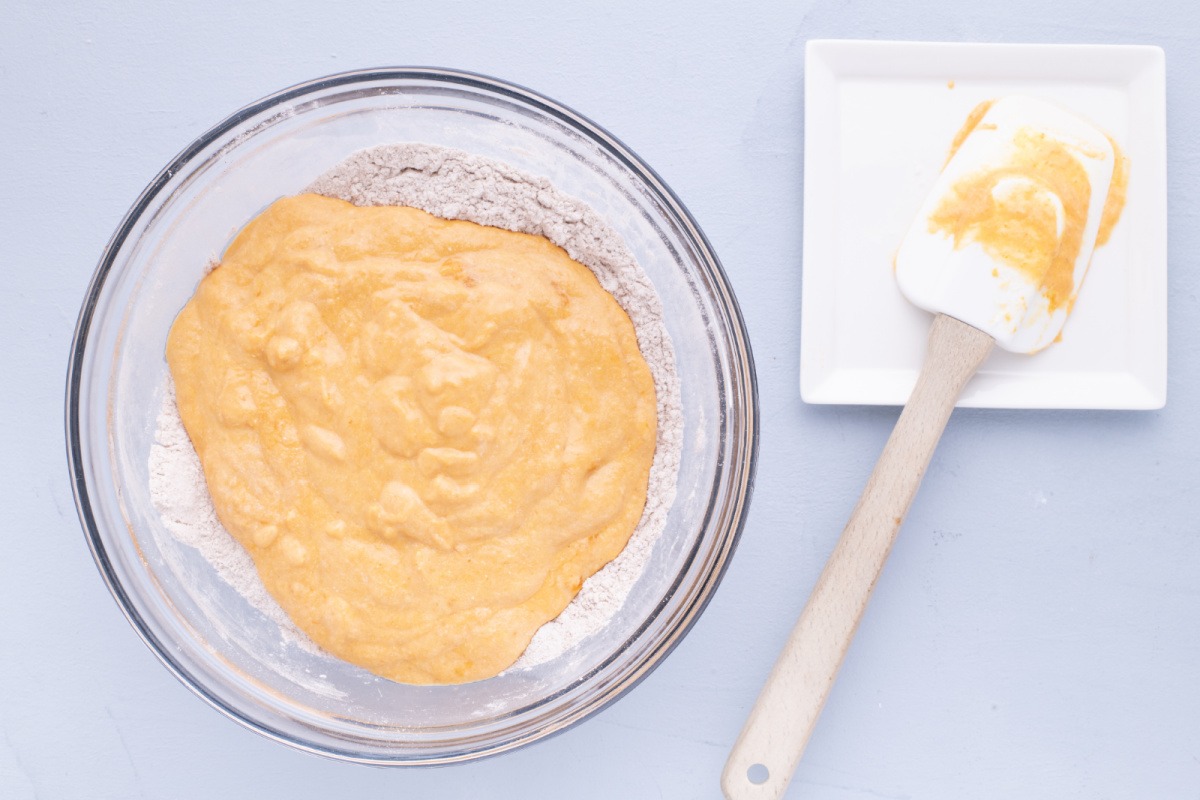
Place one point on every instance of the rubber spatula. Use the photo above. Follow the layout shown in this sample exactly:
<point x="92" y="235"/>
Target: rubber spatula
<point x="981" y="296"/>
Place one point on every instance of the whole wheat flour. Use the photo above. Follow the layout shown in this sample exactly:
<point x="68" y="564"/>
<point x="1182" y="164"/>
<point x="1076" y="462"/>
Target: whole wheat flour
<point x="453" y="184"/>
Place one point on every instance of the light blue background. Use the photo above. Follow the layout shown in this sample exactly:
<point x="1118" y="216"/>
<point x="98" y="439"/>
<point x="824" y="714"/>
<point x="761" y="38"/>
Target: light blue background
<point x="1035" y="634"/>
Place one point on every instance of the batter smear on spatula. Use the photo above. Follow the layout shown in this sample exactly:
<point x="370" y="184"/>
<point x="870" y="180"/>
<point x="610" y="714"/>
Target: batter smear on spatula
<point x="1006" y="236"/>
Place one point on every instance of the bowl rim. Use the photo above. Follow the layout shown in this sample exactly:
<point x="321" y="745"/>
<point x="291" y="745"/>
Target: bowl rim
<point x="726" y="302"/>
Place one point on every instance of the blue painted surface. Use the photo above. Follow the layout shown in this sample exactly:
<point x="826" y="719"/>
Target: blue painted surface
<point x="1037" y="631"/>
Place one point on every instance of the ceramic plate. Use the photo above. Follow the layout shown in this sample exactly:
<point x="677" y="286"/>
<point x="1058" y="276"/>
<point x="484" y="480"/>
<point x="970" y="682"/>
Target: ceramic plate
<point x="879" y="119"/>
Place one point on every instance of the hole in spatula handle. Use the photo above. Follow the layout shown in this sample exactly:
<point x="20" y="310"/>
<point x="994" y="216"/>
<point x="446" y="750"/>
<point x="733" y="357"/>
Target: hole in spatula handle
<point x="758" y="774"/>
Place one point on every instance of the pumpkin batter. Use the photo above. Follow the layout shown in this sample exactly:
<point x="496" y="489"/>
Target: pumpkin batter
<point x="426" y="433"/>
<point x="1020" y="227"/>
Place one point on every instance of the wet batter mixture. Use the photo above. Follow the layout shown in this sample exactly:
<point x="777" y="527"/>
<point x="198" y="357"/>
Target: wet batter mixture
<point x="426" y="433"/>
<point x="1014" y="210"/>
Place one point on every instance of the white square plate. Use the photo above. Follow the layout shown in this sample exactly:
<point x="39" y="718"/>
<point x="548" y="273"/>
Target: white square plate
<point x="878" y="120"/>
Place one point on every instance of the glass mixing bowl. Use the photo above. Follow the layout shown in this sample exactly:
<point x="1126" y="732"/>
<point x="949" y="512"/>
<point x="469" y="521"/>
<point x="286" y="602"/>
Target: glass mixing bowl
<point x="211" y="638"/>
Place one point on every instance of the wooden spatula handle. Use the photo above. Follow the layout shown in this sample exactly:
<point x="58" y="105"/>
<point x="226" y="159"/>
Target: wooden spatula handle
<point x="786" y="712"/>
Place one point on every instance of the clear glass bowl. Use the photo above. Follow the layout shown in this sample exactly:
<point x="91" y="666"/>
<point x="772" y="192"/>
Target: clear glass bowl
<point x="208" y="635"/>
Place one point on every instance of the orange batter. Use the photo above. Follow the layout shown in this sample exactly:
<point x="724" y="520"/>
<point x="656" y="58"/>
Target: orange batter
<point x="426" y="433"/>
<point x="1019" y="226"/>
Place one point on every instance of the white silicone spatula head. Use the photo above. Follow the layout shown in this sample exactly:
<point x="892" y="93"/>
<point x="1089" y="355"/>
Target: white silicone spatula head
<point x="1004" y="239"/>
